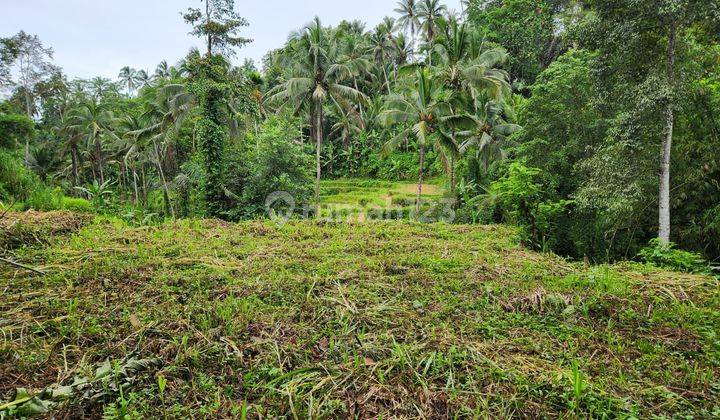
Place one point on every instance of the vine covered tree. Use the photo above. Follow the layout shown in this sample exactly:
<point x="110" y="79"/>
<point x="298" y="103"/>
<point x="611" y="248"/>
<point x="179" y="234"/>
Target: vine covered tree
<point x="219" y="24"/>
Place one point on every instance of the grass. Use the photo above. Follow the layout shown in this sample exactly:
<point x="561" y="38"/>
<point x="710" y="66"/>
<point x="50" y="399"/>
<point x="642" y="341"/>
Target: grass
<point x="375" y="319"/>
<point x="359" y="199"/>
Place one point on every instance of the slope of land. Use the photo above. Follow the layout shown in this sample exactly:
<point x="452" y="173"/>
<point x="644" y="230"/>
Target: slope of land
<point x="376" y="319"/>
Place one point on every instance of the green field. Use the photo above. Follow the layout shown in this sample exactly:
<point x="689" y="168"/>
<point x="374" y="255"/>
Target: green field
<point x="360" y="199"/>
<point x="322" y="319"/>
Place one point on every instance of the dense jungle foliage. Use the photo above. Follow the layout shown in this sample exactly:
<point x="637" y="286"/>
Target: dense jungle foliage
<point x="590" y="124"/>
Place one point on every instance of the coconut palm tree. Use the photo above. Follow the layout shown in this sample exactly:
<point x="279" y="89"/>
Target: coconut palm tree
<point x="143" y="78"/>
<point x="317" y="79"/>
<point x="468" y="66"/>
<point x="430" y="12"/>
<point x="164" y="112"/>
<point x="486" y="135"/>
<point x="65" y="130"/>
<point x="408" y="20"/>
<point x="93" y="119"/>
<point x="381" y="48"/>
<point x="354" y="56"/>
<point x="422" y="110"/>
<point x="162" y="71"/>
<point x="101" y="87"/>
<point x="128" y="77"/>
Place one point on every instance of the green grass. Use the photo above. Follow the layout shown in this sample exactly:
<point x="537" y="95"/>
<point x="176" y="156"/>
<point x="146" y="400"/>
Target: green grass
<point x="376" y="319"/>
<point x="360" y="199"/>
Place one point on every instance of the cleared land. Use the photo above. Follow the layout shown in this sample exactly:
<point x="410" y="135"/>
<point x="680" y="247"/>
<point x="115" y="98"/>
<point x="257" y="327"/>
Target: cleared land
<point x="376" y="319"/>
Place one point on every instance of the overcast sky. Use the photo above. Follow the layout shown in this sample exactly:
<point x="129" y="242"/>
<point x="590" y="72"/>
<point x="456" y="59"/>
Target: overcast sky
<point x="98" y="37"/>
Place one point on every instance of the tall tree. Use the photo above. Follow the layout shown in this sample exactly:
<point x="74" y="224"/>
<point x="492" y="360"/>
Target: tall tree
<point x="128" y="77"/>
<point x="33" y="63"/>
<point x="318" y="79"/>
<point x="421" y="110"/>
<point x="93" y="120"/>
<point x="409" y="19"/>
<point x="655" y="30"/>
<point x="219" y="24"/>
<point x="430" y="12"/>
<point x="162" y="71"/>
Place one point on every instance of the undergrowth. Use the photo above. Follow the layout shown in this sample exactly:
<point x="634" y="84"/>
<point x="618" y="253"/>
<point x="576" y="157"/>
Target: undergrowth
<point x="376" y="319"/>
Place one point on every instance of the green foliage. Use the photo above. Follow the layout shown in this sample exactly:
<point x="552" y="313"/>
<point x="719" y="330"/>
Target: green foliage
<point x="219" y="24"/>
<point x="526" y="28"/>
<point x="99" y="194"/>
<point x="15" y="130"/>
<point x="277" y="164"/>
<point x="354" y="303"/>
<point x="521" y="201"/>
<point x="210" y="86"/>
<point x="666" y="255"/>
<point x="16" y="181"/>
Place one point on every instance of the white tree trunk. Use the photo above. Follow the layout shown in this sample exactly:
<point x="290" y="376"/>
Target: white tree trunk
<point x="664" y="204"/>
<point x="318" y="150"/>
<point x="420" y="181"/>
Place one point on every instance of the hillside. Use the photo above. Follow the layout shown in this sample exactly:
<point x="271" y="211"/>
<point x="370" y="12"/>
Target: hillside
<point x="375" y="319"/>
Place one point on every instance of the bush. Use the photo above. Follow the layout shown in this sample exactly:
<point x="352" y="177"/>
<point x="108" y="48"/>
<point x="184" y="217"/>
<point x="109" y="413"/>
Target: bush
<point x="16" y="181"/>
<point x="519" y="197"/>
<point x="666" y="255"/>
<point x="14" y="129"/>
<point x="278" y="164"/>
<point x="44" y="199"/>
<point x="77" y="205"/>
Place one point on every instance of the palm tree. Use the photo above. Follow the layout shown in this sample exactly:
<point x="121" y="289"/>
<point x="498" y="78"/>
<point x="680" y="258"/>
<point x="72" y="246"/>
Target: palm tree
<point x="66" y="130"/>
<point x="430" y="12"/>
<point x="422" y="110"/>
<point x="355" y="58"/>
<point x="100" y="87"/>
<point x="128" y="77"/>
<point x="143" y="78"/>
<point x="468" y="67"/>
<point x="409" y="20"/>
<point x="93" y="119"/>
<point x="382" y="48"/>
<point x="318" y="79"/>
<point x="165" y="111"/>
<point x="162" y="71"/>
<point x="487" y="134"/>
<point x="132" y="148"/>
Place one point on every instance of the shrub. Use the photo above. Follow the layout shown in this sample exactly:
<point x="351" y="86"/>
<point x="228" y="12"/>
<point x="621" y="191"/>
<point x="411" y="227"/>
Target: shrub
<point x="78" y="205"/>
<point x="16" y="181"/>
<point x="666" y="255"/>
<point x="14" y="129"/>
<point x="519" y="197"/>
<point x="276" y="164"/>
<point x="44" y="199"/>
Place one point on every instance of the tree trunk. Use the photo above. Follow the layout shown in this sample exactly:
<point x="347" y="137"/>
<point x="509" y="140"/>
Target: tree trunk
<point x="207" y="21"/>
<point x="144" y="185"/>
<point x="99" y="160"/>
<point x="135" y="185"/>
<point x="75" y="164"/>
<point x="318" y="147"/>
<point x="166" y="191"/>
<point x="420" y="180"/>
<point x="362" y="117"/>
<point x="452" y="173"/>
<point x="664" y="205"/>
<point x="387" y="81"/>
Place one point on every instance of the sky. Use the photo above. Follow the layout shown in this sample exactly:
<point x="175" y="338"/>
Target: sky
<point x="99" y="37"/>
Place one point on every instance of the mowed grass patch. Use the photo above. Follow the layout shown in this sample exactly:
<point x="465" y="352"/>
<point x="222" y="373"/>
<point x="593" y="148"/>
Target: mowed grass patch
<point x="374" y="319"/>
